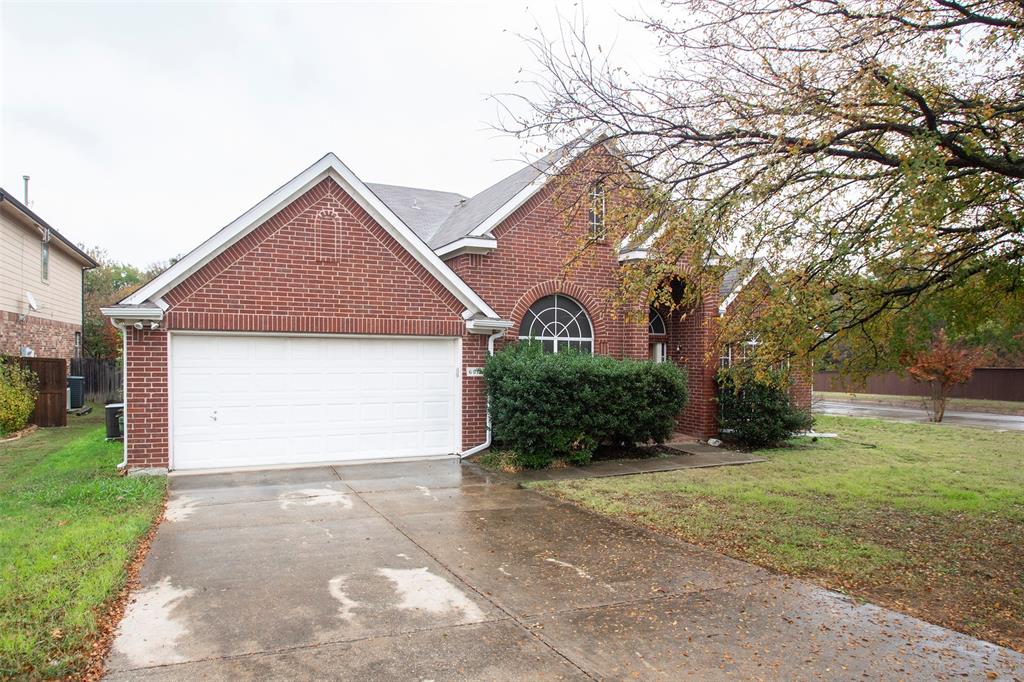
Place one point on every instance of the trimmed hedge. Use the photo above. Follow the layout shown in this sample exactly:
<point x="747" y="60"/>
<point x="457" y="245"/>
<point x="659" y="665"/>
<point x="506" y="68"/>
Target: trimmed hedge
<point x="549" y="406"/>
<point x="757" y="414"/>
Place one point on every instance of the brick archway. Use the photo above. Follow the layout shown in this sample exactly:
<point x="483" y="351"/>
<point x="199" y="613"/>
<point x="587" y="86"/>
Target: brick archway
<point x="593" y="308"/>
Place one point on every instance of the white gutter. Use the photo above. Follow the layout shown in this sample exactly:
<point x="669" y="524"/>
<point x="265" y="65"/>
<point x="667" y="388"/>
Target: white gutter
<point x="487" y="439"/>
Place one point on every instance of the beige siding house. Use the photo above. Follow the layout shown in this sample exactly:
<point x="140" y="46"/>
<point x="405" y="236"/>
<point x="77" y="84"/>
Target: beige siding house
<point x="41" y="275"/>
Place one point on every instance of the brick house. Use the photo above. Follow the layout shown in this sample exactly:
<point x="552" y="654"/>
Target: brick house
<point x="41" y="279"/>
<point x="339" y="320"/>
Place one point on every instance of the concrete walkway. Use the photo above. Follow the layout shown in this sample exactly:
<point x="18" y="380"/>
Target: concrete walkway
<point x="984" y="420"/>
<point x="431" y="571"/>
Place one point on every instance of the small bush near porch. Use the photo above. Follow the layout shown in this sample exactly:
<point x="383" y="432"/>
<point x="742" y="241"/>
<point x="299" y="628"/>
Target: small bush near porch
<point x="562" y="406"/>
<point x="69" y="526"/>
<point x="923" y="518"/>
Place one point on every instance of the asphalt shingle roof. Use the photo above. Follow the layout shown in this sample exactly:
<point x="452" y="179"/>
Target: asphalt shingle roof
<point x="423" y="210"/>
<point x="440" y="218"/>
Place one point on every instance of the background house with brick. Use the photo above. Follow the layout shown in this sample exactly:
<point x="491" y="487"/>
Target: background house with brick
<point x="339" y="320"/>
<point x="41" y="279"/>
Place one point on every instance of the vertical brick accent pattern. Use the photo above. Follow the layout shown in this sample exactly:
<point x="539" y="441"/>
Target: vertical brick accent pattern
<point x="146" y="414"/>
<point x="280" y="278"/>
<point x="48" y="338"/>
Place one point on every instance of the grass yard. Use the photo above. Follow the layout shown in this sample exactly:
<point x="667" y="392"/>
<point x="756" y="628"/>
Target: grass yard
<point x="923" y="518"/>
<point x="69" y="525"/>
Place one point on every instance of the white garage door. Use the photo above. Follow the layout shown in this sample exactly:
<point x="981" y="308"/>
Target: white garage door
<point x="268" y="400"/>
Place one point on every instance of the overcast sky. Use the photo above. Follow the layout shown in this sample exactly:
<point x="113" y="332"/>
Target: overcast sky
<point x="147" y="127"/>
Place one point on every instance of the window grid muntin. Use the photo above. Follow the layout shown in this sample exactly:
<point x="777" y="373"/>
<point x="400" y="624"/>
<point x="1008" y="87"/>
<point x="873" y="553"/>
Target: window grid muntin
<point x="543" y="322"/>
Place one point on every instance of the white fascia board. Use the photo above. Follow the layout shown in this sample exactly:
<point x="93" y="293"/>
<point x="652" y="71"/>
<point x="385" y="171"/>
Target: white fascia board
<point x="329" y="166"/>
<point x="724" y="305"/>
<point x="488" y="326"/>
<point x="126" y="313"/>
<point x="468" y="245"/>
<point x="635" y="254"/>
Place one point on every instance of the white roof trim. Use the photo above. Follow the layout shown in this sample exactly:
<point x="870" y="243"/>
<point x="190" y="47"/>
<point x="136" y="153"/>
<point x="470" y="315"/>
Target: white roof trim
<point x="524" y="195"/>
<point x="635" y="254"/>
<point x="724" y="305"/>
<point x="468" y="245"/>
<point x="332" y="167"/>
<point x="136" y="313"/>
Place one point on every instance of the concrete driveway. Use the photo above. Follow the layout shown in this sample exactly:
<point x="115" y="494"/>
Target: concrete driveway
<point x="983" y="420"/>
<point x="432" y="571"/>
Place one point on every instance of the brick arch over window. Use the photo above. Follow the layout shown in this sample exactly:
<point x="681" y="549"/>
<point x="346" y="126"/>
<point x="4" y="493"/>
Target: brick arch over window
<point x="596" y="311"/>
<point x="327" y="236"/>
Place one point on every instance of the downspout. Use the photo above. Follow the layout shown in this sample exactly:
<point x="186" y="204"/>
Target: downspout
<point x="487" y="439"/>
<point x="124" y="391"/>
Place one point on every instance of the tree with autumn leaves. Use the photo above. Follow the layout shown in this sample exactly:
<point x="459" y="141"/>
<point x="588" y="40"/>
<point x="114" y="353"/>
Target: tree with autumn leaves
<point x="105" y="285"/>
<point x="942" y="367"/>
<point x="868" y="154"/>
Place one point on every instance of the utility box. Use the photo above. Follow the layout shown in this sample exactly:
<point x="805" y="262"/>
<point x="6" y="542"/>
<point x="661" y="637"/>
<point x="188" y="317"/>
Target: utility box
<point x="114" y="416"/>
<point x="76" y="386"/>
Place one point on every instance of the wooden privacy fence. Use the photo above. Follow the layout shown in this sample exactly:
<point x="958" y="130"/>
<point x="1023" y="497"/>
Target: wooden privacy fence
<point x="51" y="404"/>
<point x="987" y="383"/>
<point x="103" y="378"/>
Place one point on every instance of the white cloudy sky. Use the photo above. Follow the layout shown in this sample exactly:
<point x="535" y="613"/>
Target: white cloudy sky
<point x="146" y="127"/>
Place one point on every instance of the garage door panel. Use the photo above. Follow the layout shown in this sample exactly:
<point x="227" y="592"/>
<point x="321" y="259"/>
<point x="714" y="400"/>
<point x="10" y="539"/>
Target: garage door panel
<point x="263" y="400"/>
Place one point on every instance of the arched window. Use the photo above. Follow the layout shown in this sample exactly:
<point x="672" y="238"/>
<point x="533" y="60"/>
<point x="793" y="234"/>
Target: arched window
<point x="656" y="323"/>
<point x="558" y="322"/>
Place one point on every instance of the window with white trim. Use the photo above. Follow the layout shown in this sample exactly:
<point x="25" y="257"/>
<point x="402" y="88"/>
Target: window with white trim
<point x="737" y="354"/>
<point x="596" y="214"/>
<point x="558" y="322"/>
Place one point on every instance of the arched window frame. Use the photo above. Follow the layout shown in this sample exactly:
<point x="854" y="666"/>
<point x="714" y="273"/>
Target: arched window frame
<point x="656" y="323"/>
<point x="569" y="325"/>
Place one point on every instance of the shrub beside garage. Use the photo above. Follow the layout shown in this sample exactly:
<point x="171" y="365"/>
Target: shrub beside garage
<point x="563" y="406"/>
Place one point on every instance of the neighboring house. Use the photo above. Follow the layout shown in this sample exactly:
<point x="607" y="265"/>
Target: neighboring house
<point x="338" y="320"/>
<point x="41" y="279"/>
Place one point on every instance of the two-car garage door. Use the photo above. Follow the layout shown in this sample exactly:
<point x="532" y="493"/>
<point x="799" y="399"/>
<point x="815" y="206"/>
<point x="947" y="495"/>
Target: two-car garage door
<point x="277" y="400"/>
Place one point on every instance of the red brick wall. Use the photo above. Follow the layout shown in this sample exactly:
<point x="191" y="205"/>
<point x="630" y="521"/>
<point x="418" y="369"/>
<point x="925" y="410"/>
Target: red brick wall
<point x="690" y="345"/>
<point x="48" y="338"/>
<point x="146" y="403"/>
<point x="534" y="245"/>
<point x="321" y="265"/>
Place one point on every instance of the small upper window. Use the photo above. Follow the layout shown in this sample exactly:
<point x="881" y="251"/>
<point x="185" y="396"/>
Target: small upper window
<point x="558" y="322"/>
<point x="597" y="210"/>
<point x="656" y="324"/>
<point x="44" y="261"/>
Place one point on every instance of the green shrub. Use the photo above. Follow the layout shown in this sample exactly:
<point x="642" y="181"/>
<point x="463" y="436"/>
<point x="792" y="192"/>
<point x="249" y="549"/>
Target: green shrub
<point x="561" y="406"/>
<point x="17" y="395"/>
<point x="755" y="412"/>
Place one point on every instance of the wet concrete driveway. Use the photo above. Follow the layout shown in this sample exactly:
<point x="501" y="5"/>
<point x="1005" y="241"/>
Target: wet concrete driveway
<point x="430" y="571"/>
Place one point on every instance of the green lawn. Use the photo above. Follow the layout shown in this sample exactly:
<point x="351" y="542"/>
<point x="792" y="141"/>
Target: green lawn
<point x="924" y="518"/>
<point x="69" y="524"/>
